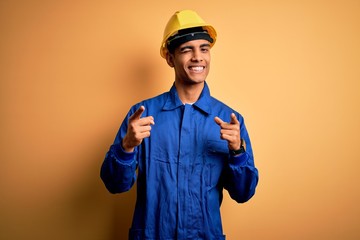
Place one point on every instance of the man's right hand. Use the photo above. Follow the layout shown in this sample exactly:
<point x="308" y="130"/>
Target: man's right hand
<point x="138" y="129"/>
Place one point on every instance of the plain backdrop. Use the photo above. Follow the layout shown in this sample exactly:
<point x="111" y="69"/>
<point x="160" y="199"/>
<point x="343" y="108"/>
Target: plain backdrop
<point x="70" y="71"/>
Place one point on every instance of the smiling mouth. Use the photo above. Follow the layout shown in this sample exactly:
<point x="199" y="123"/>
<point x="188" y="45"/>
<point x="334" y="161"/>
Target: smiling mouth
<point x="197" y="68"/>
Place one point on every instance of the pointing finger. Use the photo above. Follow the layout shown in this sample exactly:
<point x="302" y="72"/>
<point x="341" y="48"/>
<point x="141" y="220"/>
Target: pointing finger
<point x="234" y="120"/>
<point x="138" y="113"/>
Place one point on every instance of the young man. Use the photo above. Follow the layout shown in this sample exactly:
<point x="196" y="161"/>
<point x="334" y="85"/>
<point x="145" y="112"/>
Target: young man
<point x="186" y="145"/>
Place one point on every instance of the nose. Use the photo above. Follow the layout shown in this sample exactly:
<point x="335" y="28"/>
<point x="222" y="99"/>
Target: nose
<point x="197" y="56"/>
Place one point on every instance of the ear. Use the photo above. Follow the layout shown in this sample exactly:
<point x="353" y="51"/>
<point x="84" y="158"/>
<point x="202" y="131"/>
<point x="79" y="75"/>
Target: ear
<point x="170" y="59"/>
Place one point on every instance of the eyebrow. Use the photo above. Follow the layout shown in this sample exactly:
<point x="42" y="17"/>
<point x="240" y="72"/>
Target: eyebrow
<point x="205" y="45"/>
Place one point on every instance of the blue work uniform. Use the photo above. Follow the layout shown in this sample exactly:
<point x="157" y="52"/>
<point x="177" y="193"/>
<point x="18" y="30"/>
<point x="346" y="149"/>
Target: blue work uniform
<point x="183" y="168"/>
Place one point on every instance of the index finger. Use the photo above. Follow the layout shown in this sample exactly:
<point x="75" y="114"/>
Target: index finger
<point x="234" y="120"/>
<point x="138" y="113"/>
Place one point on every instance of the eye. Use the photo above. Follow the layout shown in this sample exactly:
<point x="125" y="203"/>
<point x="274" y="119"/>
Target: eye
<point x="205" y="49"/>
<point x="185" y="50"/>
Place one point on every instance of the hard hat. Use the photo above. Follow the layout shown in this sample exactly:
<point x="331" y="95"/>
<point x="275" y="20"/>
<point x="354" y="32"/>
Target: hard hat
<point x="183" y="20"/>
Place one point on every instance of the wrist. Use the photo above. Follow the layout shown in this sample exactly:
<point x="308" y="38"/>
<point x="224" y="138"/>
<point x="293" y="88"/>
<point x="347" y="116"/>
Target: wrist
<point x="240" y="150"/>
<point x="125" y="147"/>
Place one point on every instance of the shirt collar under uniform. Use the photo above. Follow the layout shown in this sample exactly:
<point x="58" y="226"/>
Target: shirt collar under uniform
<point x="203" y="103"/>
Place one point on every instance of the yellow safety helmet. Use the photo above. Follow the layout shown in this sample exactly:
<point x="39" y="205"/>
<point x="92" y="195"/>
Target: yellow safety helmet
<point x="183" y="20"/>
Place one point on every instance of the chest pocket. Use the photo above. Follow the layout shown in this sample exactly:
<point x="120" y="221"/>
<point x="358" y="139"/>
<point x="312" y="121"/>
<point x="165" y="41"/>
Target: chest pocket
<point x="217" y="148"/>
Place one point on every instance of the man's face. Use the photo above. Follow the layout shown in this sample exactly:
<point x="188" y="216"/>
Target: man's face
<point x="191" y="61"/>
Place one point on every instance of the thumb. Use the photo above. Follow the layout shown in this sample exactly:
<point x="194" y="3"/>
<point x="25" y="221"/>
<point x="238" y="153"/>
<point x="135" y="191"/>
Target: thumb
<point x="218" y="121"/>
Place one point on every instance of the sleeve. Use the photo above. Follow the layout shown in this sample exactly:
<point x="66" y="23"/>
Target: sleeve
<point x="241" y="176"/>
<point x="118" y="170"/>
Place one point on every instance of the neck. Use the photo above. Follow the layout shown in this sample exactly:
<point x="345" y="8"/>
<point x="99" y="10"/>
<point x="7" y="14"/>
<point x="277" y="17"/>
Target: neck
<point x="189" y="93"/>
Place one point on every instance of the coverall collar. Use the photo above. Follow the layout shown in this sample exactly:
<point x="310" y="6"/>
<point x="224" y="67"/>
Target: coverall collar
<point x="203" y="103"/>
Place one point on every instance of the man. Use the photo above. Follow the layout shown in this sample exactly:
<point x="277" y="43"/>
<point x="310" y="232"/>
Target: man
<point x="186" y="145"/>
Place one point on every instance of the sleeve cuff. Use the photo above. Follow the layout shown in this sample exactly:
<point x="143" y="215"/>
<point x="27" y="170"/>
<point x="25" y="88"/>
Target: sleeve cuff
<point x="120" y="153"/>
<point x="239" y="160"/>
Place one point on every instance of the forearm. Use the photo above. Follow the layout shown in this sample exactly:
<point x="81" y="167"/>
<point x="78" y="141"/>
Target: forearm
<point x="241" y="178"/>
<point x="118" y="169"/>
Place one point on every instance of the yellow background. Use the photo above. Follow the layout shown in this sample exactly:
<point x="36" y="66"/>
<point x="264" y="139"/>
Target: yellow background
<point x="70" y="70"/>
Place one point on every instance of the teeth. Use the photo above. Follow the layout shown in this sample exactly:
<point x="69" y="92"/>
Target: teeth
<point x="197" y="69"/>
